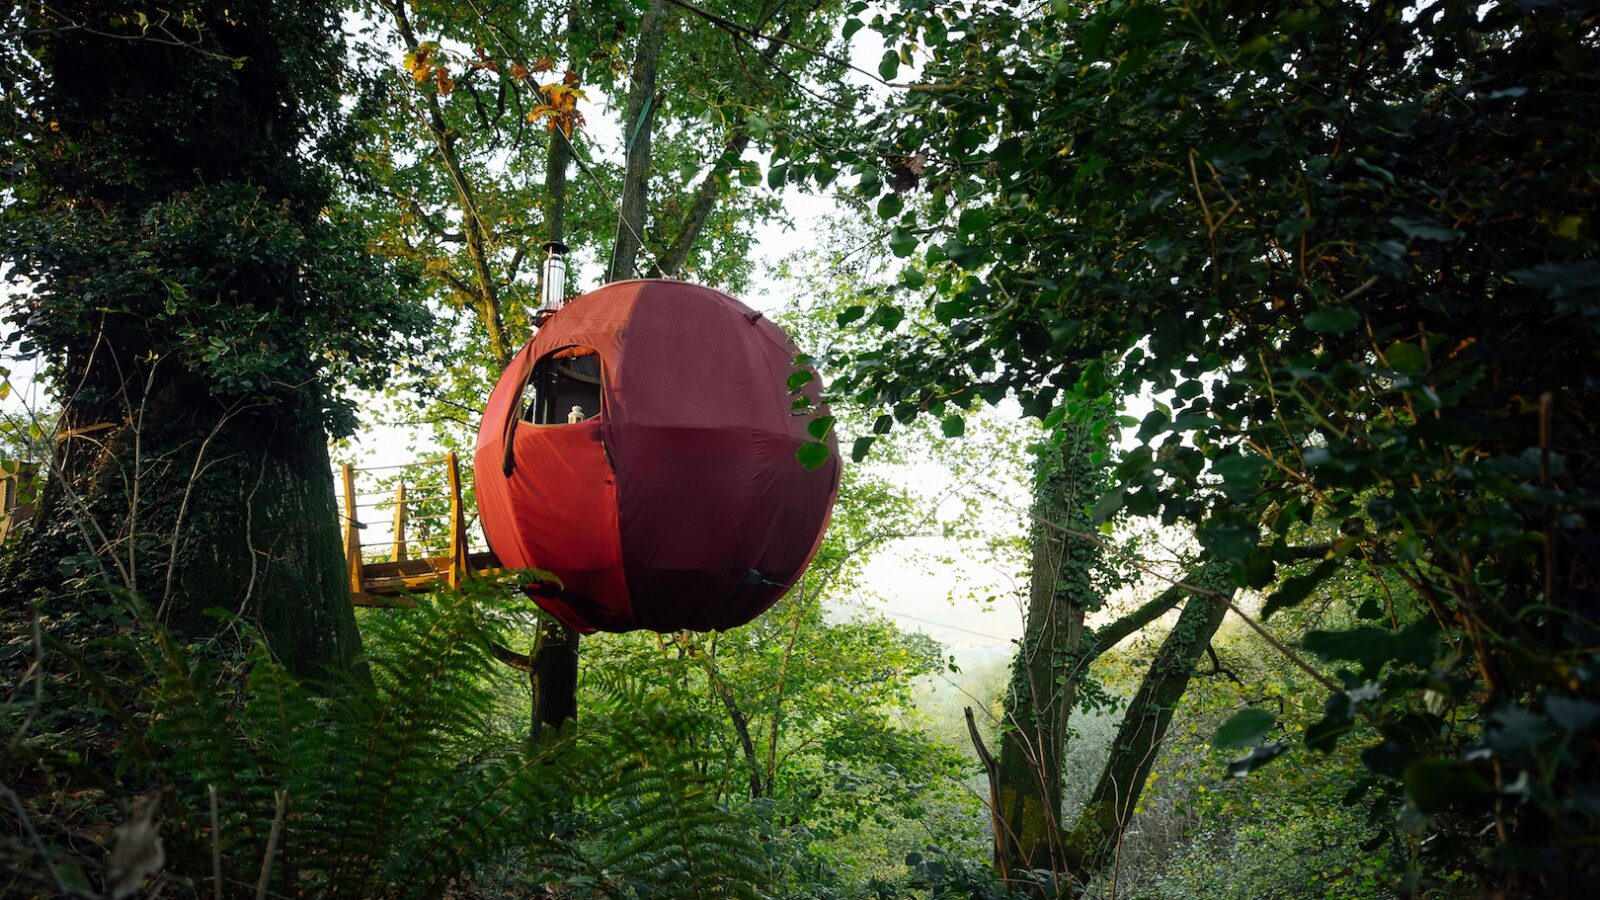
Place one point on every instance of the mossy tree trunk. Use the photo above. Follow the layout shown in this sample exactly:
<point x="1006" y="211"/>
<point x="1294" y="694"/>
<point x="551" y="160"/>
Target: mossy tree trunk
<point x="1095" y="837"/>
<point x="197" y="509"/>
<point x="1045" y="673"/>
<point x="1067" y="579"/>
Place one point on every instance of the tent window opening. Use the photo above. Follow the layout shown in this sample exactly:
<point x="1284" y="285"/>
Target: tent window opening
<point x="564" y="388"/>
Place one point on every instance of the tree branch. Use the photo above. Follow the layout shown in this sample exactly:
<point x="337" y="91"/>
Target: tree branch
<point x="735" y="28"/>
<point x="1110" y="635"/>
<point x="438" y="231"/>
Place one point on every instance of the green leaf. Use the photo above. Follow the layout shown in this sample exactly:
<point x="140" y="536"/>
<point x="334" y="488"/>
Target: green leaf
<point x="1404" y="357"/>
<point x="1258" y="757"/>
<point x="1229" y="540"/>
<point x="858" y="450"/>
<point x="757" y="126"/>
<point x="1110" y="502"/>
<point x="812" y="455"/>
<point x="1333" y="319"/>
<point x="1560" y="276"/>
<point x="800" y="379"/>
<point x="1424" y="231"/>
<point x="889" y="66"/>
<point x="820" y="426"/>
<point x="1244" y="728"/>
<point x="851" y="26"/>
<point x="1338" y="719"/>
<point x="1297" y="588"/>
<point x="953" y="426"/>
<point x="1436" y="785"/>
<point x="902" y="243"/>
<point x="1415" y="644"/>
<point x="962" y="254"/>
<point x="973" y="221"/>
<point x="850" y="314"/>
<point x="889" y="206"/>
<point x="1008" y="152"/>
<point x="887" y="317"/>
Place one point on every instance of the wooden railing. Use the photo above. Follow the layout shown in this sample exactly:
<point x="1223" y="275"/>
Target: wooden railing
<point x="388" y="581"/>
<point x="15" y="509"/>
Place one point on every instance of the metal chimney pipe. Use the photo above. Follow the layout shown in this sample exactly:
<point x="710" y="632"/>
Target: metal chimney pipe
<point x="553" y="278"/>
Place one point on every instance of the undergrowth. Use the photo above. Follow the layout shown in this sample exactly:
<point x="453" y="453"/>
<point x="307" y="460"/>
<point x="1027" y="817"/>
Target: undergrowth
<point x="388" y="782"/>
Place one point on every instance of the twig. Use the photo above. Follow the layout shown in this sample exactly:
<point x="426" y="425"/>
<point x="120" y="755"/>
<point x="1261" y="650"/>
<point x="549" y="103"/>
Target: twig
<point x="735" y="28"/>
<point x="992" y="771"/>
<point x="216" y="845"/>
<point x="272" y="845"/>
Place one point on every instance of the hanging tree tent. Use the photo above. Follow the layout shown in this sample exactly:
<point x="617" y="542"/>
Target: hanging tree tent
<point x="642" y="448"/>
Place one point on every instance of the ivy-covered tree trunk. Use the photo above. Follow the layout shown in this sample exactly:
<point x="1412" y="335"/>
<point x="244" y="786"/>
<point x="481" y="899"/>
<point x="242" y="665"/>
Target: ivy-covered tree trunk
<point x="195" y="508"/>
<point x="1049" y="667"/>
<point x="1093" y="841"/>
<point x="195" y="293"/>
<point x="1044" y="675"/>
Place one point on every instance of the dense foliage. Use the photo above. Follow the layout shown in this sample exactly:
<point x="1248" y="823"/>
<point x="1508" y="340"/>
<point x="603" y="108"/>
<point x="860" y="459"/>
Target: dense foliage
<point x="168" y="204"/>
<point x="1352" y="249"/>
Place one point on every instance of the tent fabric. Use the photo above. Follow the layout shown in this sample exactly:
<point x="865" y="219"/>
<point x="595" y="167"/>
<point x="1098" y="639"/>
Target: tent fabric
<point x="681" y="504"/>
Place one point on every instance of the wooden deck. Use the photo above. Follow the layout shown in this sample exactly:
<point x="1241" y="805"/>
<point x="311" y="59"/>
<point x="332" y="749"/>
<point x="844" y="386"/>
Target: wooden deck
<point x="390" y="579"/>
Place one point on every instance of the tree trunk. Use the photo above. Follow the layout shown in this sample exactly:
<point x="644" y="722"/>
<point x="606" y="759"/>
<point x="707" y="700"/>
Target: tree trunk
<point x="553" y="677"/>
<point x="637" y="126"/>
<point x="1045" y="672"/>
<point x="1099" y="828"/>
<point x="194" y="507"/>
<point x="179" y="475"/>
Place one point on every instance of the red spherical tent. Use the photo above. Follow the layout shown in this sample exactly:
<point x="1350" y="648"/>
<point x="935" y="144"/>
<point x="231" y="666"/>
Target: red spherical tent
<point x="642" y="448"/>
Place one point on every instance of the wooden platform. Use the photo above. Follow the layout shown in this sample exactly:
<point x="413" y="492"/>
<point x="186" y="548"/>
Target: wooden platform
<point x="390" y="581"/>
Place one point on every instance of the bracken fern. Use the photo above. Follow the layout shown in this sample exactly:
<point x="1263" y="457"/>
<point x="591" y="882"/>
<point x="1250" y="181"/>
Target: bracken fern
<point x="391" y="782"/>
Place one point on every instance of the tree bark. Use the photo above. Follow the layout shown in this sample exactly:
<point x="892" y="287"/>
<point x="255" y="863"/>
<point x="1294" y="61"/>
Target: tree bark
<point x="553" y="678"/>
<point x="1055" y="650"/>
<point x="637" y="126"/>
<point x="1045" y="673"/>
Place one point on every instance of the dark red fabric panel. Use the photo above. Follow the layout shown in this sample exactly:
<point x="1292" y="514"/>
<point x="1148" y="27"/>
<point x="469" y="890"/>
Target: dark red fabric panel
<point x="496" y="506"/>
<point x="717" y="515"/>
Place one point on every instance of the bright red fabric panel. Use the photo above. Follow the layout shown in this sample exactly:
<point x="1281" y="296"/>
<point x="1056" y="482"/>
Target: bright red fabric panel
<point x="695" y="473"/>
